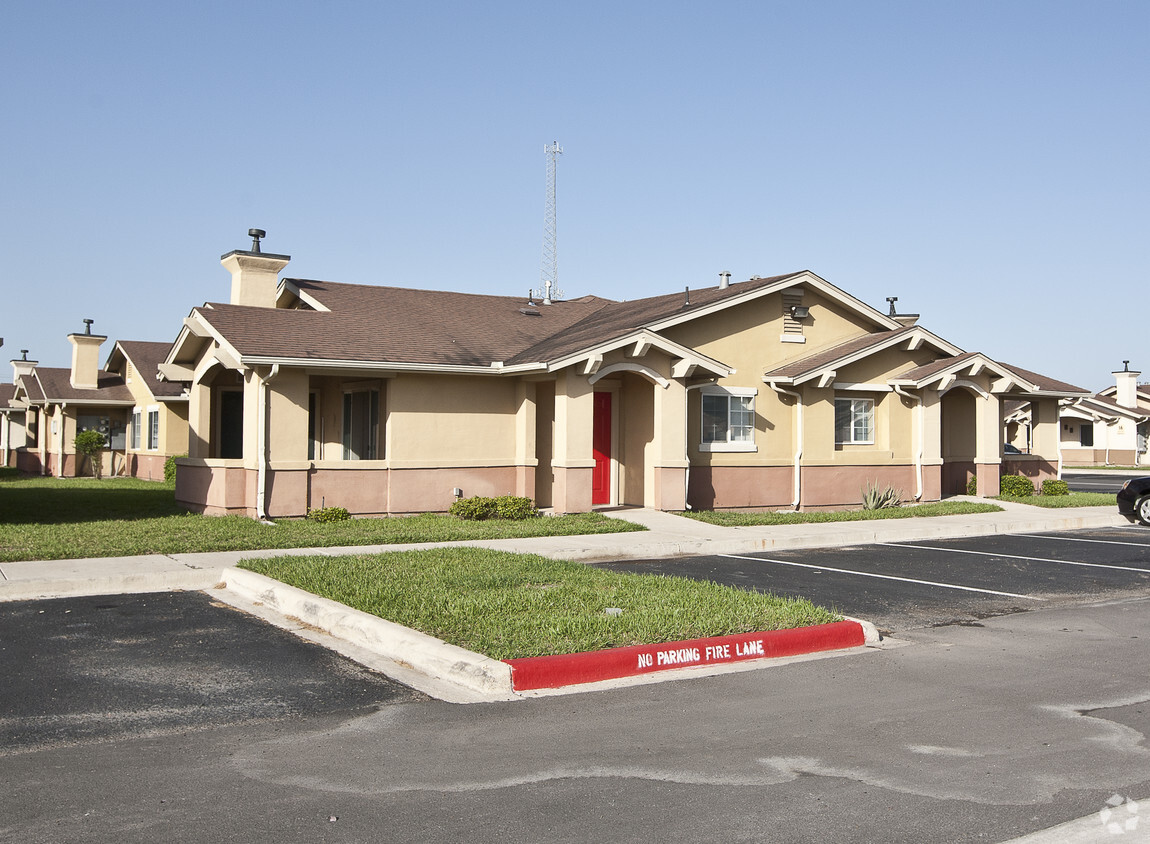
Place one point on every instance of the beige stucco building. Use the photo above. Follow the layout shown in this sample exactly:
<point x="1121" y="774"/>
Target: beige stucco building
<point x="782" y="392"/>
<point x="143" y="418"/>
<point x="1110" y="427"/>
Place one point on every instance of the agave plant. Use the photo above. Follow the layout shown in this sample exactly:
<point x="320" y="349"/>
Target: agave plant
<point x="876" y="498"/>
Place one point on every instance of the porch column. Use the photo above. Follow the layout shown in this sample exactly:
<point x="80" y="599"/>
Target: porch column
<point x="525" y="461"/>
<point x="670" y="447"/>
<point x="199" y="419"/>
<point x="572" y="460"/>
<point x="931" y="410"/>
<point x="988" y="444"/>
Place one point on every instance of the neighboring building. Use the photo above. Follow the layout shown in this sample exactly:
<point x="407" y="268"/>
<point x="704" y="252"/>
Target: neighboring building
<point x="1109" y="427"/>
<point x="11" y="425"/>
<point x="781" y="392"/>
<point x="157" y="424"/>
<point x="142" y="426"/>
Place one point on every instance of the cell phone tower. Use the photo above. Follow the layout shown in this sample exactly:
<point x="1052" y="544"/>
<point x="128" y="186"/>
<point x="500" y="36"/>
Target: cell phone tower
<point x="549" y="275"/>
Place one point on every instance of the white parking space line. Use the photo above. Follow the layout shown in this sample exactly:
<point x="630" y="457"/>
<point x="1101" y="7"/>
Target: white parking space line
<point x="1079" y="539"/>
<point x="881" y="576"/>
<point x="1012" y="556"/>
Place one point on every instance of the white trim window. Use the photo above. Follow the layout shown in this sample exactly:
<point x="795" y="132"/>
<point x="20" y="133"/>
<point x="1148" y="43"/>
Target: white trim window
<point x="136" y="429"/>
<point x="728" y="419"/>
<point x="153" y="429"/>
<point x="854" y="421"/>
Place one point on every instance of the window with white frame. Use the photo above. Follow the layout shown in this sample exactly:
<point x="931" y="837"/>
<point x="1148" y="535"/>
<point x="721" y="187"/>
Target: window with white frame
<point x="854" y="421"/>
<point x="728" y="419"/>
<point x="136" y="429"/>
<point x="153" y="430"/>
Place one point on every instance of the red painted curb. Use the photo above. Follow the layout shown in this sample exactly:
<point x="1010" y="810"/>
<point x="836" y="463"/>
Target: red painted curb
<point x="552" y="672"/>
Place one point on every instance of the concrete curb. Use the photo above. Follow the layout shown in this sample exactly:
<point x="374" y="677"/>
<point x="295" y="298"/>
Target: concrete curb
<point x="429" y="656"/>
<point x="562" y="670"/>
<point x="192" y="580"/>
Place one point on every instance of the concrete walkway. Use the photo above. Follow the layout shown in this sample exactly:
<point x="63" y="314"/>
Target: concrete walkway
<point x="667" y="535"/>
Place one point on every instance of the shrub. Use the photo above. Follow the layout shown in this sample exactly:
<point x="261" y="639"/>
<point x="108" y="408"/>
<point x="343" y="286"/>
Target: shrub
<point x="874" y="498"/>
<point x="1016" y="486"/>
<point x="474" y="509"/>
<point x="1053" y="487"/>
<point x="91" y="444"/>
<point x="478" y="508"/>
<point x="328" y="514"/>
<point x="972" y="485"/>
<point x="515" y="507"/>
<point x="170" y="468"/>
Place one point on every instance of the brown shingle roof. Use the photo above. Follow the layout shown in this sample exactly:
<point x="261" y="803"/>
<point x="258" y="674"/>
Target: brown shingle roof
<point x="146" y="357"/>
<point x="1044" y="383"/>
<point x="394" y="324"/>
<point x="57" y="386"/>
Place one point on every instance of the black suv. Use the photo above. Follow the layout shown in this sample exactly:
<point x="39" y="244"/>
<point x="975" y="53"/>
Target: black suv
<point x="1134" y="500"/>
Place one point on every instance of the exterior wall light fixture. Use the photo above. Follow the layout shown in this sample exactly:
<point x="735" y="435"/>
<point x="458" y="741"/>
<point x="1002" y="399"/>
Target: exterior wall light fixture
<point x="800" y="311"/>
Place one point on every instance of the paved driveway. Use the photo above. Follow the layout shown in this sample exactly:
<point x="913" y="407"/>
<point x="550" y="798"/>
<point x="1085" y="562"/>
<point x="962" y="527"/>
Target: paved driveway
<point x="82" y="670"/>
<point x="901" y="586"/>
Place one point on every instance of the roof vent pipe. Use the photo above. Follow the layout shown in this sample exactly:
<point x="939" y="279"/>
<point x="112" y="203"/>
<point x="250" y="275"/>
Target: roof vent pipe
<point x="687" y="301"/>
<point x="724" y="281"/>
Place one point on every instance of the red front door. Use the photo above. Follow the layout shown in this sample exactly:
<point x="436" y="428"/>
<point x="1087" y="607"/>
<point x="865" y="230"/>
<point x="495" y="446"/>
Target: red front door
<point x="601" y="448"/>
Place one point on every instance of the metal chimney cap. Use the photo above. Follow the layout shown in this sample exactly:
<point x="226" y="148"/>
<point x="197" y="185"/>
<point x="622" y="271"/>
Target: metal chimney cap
<point x="255" y="235"/>
<point x="88" y="325"/>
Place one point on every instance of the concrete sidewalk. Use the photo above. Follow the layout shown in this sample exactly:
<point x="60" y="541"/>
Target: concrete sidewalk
<point x="667" y="535"/>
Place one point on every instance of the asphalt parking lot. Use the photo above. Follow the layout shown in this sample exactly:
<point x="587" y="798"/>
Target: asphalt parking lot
<point x="903" y="586"/>
<point x="1111" y="481"/>
<point x="81" y="670"/>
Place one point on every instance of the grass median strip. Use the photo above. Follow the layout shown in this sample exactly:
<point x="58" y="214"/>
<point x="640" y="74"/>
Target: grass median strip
<point x="508" y="606"/>
<point x="727" y="518"/>
<point x="1074" y="499"/>
<point x="54" y="518"/>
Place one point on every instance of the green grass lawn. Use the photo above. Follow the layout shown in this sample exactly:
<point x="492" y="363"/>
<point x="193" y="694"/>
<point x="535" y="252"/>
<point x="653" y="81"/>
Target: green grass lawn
<point x="63" y="518"/>
<point x="742" y="519"/>
<point x="1074" y="499"/>
<point x="519" y="605"/>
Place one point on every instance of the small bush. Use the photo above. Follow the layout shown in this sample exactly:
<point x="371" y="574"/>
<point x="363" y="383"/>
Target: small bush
<point x="170" y="468"/>
<point x="972" y="485"/>
<point x="875" y="498"/>
<point x="1053" y="487"/>
<point x="328" y="514"/>
<point x="515" y="507"/>
<point x="478" y="508"/>
<point x="474" y="509"/>
<point x="91" y="444"/>
<point x="1015" y="486"/>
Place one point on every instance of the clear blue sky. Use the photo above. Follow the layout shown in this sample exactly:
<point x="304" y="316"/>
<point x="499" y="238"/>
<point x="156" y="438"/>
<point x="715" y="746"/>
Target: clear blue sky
<point x="986" y="162"/>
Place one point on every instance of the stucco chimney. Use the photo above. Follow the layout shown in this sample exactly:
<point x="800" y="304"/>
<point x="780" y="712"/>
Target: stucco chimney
<point x="86" y="358"/>
<point x="1127" y="382"/>
<point x="22" y="367"/>
<point x="255" y="274"/>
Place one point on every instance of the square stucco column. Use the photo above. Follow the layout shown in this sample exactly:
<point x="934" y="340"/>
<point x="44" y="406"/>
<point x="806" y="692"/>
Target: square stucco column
<point x="572" y="460"/>
<point x="1045" y="429"/>
<point x="988" y="444"/>
<point x="199" y="420"/>
<point x="525" y="461"/>
<point x="670" y="451"/>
